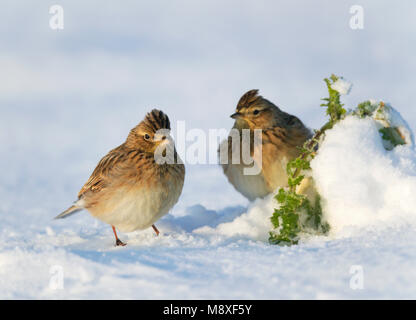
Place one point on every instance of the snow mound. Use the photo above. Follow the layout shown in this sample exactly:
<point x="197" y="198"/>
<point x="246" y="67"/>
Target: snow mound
<point x="254" y="224"/>
<point x="361" y="183"/>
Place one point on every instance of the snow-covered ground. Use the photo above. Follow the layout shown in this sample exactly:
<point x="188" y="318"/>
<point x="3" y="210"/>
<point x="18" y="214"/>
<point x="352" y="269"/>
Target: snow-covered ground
<point x="68" y="97"/>
<point x="368" y="199"/>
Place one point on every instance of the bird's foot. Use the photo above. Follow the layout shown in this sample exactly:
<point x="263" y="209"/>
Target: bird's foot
<point x="120" y="243"/>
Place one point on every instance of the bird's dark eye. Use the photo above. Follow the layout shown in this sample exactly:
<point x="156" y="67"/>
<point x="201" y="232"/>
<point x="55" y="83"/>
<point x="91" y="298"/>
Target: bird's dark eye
<point x="146" y="137"/>
<point x="256" y="111"/>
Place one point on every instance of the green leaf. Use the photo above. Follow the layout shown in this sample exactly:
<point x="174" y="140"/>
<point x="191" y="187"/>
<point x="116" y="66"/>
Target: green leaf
<point x="365" y="109"/>
<point x="392" y="135"/>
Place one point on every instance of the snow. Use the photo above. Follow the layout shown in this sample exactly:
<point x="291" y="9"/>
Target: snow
<point x="362" y="184"/>
<point x="342" y="86"/>
<point x="203" y="253"/>
<point x="70" y="96"/>
<point x="253" y="224"/>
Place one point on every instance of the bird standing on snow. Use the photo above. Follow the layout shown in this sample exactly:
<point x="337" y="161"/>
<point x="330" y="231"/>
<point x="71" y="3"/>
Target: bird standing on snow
<point x="130" y="189"/>
<point x="281" y="135"/>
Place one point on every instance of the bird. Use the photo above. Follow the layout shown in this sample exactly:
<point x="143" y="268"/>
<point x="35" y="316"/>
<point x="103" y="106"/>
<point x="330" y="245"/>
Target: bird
<point x="132" y="187"/>
<point x="281" y="136"/>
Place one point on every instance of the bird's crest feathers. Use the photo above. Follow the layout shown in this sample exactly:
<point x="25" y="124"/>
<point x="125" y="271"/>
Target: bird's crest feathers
<point x="156" y="120"/>
<point x="248" y="99"/>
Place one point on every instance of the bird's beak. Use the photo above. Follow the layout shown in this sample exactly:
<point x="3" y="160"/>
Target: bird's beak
<point x="236" y="115"/>
<point x="162" y="143"/>
<point x="162" y="138"/>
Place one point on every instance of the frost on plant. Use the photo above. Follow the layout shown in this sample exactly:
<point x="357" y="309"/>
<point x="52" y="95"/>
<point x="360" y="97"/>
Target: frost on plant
<point x="300" y="212"/>
<point x="343" y="87"/>
<point x="393" y="128"/>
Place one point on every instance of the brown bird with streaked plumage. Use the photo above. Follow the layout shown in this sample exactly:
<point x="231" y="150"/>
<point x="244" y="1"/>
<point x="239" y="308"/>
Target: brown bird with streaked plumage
<point x="281" y="135"/>
<point x="130" y="189"/>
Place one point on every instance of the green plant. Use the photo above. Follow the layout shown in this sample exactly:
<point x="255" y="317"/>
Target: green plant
<point x="299" y="213"/>
<point x="365" y="109"/>
<point x="392" y="135"/>
<point x="334" y="107"/>
<point x="296" y="212"/>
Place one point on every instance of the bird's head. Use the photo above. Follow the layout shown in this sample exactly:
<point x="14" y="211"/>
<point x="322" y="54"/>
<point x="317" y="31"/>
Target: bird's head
<point x="255" y="112"/>
<point x="152" y="132"/>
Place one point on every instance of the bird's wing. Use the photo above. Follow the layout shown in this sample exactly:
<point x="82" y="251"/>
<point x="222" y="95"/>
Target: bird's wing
<point x="117" y="164"/>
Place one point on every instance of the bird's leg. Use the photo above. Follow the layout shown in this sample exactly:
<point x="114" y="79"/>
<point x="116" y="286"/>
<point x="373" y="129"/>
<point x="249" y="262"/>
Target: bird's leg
<point x="118" y="241"/>
<point x="156" y="231"/>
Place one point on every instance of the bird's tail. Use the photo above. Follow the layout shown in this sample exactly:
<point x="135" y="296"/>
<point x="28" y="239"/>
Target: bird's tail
<point x="70" y="211"/>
